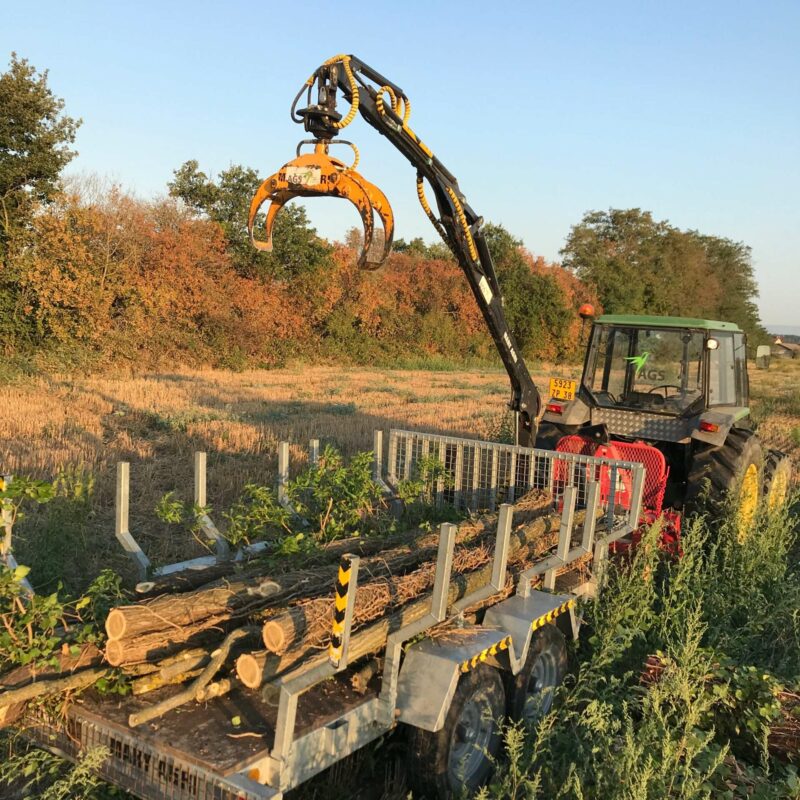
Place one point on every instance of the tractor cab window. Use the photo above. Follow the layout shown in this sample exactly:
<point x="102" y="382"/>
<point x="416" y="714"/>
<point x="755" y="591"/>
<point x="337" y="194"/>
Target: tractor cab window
<point x="727" y="371"/>
<point x="658" y="370"/>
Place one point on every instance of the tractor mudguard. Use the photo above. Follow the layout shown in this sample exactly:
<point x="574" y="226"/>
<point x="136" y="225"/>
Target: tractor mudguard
<point x="713" y="427"/>
<point x="318" y="174"/>
<point x="573" y="412"/>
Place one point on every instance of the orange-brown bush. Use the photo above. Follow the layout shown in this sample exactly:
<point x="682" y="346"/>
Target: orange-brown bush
<point x="107" y="280"/>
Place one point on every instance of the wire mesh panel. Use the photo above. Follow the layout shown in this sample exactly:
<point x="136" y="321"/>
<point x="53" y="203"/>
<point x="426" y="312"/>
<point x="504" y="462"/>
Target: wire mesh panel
<point x="131" y="764"/>
<point x="480" y="475"/>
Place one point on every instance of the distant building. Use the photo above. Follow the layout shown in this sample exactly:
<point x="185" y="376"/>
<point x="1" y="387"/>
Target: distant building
<point x="781" y="349"/>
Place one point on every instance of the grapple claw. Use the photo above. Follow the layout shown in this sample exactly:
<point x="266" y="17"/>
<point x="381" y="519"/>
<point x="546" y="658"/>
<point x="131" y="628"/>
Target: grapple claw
<point x="318" y="174"/>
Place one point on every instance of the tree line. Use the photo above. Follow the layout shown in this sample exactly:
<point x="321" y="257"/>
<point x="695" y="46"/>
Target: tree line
<point x="93" y="277"/>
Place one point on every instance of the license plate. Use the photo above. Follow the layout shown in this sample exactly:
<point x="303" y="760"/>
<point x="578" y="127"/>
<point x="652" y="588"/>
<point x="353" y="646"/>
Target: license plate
<point x="561" y="389"/>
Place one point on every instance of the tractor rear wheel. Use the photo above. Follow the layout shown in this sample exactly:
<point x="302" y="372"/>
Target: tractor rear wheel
<point x="777" y="477"/>
<point x="731" y="474"/>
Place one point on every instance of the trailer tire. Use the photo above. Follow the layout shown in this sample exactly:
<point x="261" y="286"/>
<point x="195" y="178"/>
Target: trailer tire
<point x="777" y="479"/>
<point x="460" y="757"/>
<point x="731" y="474"/>
<point x="530" y="693"/>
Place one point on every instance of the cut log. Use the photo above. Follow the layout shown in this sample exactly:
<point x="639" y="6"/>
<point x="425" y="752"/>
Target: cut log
<point x="199" y="688"/>
<point x="281" y="631"/>
<point x="263" y="666"/>
<point x="309" y="621"/>
<point x="250" y="667"/>
<point x="525" y="547"/>
<point x="171" y="614"/>
<point x="153" y="629"/>
<point x="68" y="663"/>
<point x="177" y="669"/>
<point x="195" y="578"/>
<point x="249" y="571"/>
<point x="215" y="689"/>
<point x="42" y="688"/>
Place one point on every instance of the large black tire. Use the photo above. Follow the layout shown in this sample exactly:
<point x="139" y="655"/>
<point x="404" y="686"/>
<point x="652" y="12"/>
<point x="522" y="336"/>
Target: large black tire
<point x="727" y="475"/>
<point x="459" y="758"/>
<point x="777" y="479"/>
<point x="531" y="691"/>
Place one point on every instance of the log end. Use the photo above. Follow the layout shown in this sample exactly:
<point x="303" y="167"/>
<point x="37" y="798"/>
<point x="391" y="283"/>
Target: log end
<point x="250" y="670"/>
<point x="115" y="624"/>
<point x="115" y="652"/>
<point x="282" y="631"/>
<point x="274" y="638"/>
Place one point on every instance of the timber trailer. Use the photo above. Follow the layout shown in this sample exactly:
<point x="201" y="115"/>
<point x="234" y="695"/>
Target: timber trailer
<point x="660" y="413"/>
<point x="450" y="691"/>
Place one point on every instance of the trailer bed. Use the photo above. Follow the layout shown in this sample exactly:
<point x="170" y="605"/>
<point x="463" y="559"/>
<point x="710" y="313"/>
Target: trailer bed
<point x="203" y="734"/>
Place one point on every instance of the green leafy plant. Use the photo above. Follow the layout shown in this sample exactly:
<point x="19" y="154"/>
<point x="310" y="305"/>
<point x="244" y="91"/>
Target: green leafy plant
<point x="337" y="499"/>
<point x="257" y="516"/>
<point x="721" y="621"/>
<point x="427" y="475"/>
<point x="333" y="496"/>
<point x="171" y="510"/>
<point x="35" y="628"/>
<point x="36" y="773"/>
<point x="13" y="494"/>
<point x="53" y="530"/>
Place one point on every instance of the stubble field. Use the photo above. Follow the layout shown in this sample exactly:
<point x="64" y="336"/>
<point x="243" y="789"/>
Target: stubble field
<point x="78" y="428"/>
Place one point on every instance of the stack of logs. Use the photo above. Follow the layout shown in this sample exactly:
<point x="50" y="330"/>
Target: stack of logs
<point x="276" y="623"/>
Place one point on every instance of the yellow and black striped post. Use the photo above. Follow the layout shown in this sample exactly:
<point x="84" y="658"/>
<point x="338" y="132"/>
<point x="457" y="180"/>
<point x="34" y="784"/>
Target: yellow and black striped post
<point x="343" y="600"/>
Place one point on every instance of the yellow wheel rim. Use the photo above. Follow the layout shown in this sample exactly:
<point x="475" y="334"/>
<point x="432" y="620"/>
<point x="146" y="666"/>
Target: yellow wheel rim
<point x="748" y="501"/>
<point x="778" y="489"/>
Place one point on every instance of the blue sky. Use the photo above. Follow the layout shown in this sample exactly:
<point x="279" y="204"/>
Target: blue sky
<point x="541" y="110"/>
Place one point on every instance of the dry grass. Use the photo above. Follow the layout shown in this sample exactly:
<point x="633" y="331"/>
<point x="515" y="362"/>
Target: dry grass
<point x="157" y="421"/>
<point x="775" y="399"/>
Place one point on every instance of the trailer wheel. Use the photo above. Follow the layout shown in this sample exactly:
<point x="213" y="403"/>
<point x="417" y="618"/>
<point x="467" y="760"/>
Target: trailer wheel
<point x="532" y="690"/>
<point x="731" y="472"/>
<point x="460" y="757"/>
<point x="777" y="477"/>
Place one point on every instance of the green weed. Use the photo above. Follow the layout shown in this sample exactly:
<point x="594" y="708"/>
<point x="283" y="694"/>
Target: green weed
<point x="721" y="624"/>
<point x="334" y="497"/>
<point x="51" y="534"/>
<point x="35" y="773"/>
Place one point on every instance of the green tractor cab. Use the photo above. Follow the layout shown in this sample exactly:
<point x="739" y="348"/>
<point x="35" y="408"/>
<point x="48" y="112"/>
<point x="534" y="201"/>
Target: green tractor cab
<point x="677" y="385"/>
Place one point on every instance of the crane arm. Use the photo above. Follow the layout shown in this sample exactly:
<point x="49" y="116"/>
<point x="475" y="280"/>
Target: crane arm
<point x="386" y="108"/>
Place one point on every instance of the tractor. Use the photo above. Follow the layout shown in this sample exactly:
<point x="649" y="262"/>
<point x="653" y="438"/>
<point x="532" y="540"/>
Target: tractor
<point x="672" y="393"/>
<point x="668" y="392"/>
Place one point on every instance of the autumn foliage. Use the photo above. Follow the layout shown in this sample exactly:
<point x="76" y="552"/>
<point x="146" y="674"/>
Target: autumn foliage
<point x="92" y="278"/>
<point x="104" y="279"/>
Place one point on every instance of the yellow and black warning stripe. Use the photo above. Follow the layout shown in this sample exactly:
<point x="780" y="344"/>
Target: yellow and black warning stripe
<point x="340" y="608"/>
<point x="551" y="615"/>
<point x="473" y="662"/>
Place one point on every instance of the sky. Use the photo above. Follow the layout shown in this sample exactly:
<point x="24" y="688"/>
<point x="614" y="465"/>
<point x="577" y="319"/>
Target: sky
<point x="542" y="110"/>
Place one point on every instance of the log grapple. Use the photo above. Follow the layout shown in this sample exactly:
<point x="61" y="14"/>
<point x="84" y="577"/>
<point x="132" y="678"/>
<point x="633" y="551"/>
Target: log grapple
<point x="318" y="174"/>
